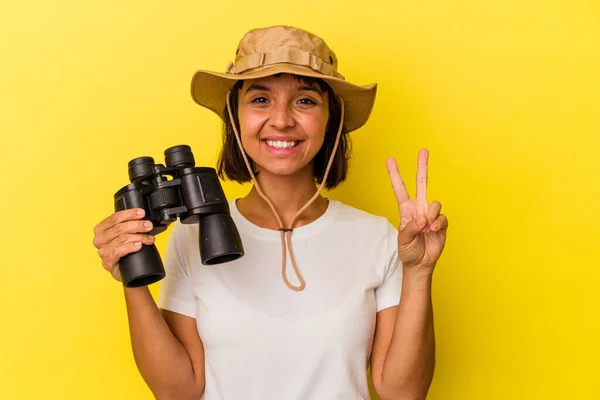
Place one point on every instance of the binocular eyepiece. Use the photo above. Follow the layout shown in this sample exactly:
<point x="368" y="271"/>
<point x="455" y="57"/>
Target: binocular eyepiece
<point x="194" y="195"/>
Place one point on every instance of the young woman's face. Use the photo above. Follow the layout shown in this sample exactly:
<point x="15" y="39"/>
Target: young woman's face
<point x="282" y="123"/>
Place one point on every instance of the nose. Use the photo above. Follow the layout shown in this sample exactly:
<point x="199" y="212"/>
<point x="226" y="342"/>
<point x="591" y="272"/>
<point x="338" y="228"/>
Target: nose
<point x="281" y="116"/>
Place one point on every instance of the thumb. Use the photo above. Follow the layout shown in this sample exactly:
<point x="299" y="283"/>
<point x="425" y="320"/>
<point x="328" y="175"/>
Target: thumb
<point x="412" y="229"/>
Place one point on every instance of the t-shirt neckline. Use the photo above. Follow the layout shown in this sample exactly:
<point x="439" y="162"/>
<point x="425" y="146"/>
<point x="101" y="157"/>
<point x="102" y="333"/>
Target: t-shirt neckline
<point x="311" y="228"/>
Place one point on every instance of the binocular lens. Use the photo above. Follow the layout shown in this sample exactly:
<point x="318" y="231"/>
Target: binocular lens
<point x="219" y="239"/>
<point x="179" y="156"/>
<point x="142" y="268"/>
<point x="139" y="167"/>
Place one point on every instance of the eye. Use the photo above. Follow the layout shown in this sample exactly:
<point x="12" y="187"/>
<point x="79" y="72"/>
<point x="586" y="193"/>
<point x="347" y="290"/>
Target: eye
<point x="307" y="101"/>
<point x="259" y="100"/>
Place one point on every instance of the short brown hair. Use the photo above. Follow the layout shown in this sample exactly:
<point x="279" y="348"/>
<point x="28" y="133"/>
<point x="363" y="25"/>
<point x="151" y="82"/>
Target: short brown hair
<point x="231" y="163"/>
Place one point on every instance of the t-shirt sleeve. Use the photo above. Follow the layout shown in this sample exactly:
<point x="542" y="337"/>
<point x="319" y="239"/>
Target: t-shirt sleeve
<point x="388" y="293"/>
<point x="176" y="291"/>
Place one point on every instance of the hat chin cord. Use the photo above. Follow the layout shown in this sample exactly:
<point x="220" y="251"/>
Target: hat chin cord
<point x="287" y="233"/>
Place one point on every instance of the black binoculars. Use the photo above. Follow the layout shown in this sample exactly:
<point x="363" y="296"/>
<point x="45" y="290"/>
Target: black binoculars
<point x="194" y="195"/>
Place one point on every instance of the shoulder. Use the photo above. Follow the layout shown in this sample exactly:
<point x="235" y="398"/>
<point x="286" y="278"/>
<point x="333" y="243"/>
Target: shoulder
<point x="348" y="210"/>
<point x="369" y="234"/>
<point x="364" y="223"/>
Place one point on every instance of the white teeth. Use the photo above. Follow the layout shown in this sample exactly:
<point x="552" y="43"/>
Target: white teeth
<point x="281" y="145"/>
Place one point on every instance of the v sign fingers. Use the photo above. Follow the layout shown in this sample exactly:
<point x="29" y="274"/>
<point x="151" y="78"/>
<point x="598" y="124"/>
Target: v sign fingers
<point x="422" y="230"/>
<point x="397" y="181"/>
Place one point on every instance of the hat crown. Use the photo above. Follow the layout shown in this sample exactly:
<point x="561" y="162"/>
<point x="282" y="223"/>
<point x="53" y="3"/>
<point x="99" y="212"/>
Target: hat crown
<point x="283" y="44"/>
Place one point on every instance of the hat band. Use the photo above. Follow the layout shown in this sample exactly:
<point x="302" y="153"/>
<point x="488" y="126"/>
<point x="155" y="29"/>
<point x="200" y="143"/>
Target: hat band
<point x="301" y="58"/>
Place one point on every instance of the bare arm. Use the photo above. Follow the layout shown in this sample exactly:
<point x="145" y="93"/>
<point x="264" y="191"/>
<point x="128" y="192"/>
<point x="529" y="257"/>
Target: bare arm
<point x="404" y="350"/>
<point x="166" y="347"/>
<point x="403" y="358"/>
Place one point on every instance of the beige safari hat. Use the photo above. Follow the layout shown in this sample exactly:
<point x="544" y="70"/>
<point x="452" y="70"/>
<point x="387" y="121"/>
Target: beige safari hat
<point x="284" y="49"/>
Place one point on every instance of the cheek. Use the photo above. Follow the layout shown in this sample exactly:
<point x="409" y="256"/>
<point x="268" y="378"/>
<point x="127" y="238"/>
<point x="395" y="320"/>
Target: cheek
<point x="250" y="126"/>
<point x="316" y="129"/>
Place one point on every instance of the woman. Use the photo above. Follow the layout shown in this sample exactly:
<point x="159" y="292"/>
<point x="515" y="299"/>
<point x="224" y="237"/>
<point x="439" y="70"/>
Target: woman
<point x="235" y="331"/>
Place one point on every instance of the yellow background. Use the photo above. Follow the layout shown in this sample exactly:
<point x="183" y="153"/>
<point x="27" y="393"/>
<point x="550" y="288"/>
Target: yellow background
<point x="505" y="94"/>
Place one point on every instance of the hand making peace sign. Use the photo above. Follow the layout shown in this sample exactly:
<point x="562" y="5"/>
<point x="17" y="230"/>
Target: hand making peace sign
<point x="422" y="231"/>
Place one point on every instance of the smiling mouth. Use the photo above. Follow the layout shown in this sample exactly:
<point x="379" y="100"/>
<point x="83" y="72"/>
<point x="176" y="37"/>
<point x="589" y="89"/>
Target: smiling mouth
<point x="278" y="144"/>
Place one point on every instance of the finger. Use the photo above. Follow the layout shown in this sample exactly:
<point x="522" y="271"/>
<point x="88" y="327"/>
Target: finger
<point x="123" y="228"/>
<point x="103" y="251"/>
<point x="433" y="212"/>
<point x="440" y="224"/>
<point x="116" y="253"/>
<point x="131" y="237"/>
<point x="412" y="229"/>
<point x="397" y="181"/>
<point x="422" y="164"/>
<point x="118" y="217"/>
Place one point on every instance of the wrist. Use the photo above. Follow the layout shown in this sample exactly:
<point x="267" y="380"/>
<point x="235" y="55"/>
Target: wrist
<point x="417" y="276"/>
<point x="137" y="292"/>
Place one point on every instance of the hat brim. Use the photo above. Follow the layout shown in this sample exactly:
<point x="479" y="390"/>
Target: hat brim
<point x="209" y="89"/>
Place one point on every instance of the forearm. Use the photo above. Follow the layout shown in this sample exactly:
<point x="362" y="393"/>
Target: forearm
<point x="410" y="360"/>
<point x="161" y="359"/>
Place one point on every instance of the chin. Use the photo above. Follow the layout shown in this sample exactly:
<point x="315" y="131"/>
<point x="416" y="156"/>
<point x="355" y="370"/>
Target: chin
<point x="281" y="171"/>
<point x="287" y="170"/>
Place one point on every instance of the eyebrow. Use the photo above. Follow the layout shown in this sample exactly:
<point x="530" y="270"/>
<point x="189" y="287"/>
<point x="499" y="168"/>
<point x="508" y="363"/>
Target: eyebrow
<point x="257" y="88"/>
<point x="310" y="89"/>
<point x="266" y="89"/>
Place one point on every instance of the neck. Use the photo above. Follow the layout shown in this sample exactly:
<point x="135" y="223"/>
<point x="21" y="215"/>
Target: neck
<point x="288" y="194"/>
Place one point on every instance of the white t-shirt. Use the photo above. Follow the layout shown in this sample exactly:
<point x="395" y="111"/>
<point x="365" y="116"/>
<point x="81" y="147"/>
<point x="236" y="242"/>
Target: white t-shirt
<point x="264" y="341"/>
